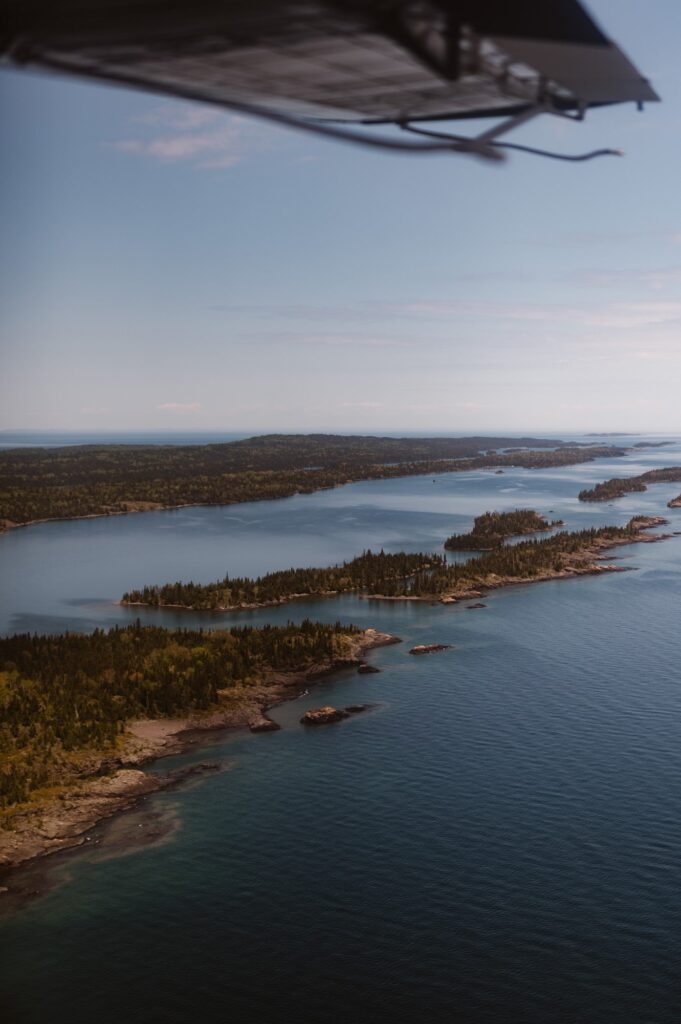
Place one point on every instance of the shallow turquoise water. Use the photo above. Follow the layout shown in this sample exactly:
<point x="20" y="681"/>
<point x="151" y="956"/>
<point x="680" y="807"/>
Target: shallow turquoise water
<point x="498" y="841"/>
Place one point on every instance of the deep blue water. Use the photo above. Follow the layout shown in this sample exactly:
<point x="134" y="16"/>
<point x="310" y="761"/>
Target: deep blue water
<point x="499" y="841"/>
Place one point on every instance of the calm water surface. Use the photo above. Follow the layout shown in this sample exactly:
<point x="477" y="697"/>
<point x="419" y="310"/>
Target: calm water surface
<point x="500" y="840"/>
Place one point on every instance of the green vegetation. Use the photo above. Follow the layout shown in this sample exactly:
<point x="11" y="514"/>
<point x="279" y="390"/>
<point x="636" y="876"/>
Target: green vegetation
<point x="617" y="487"/>
<point x="368" y="571"/>
<point x="83" y="480"/>
<point x="491" y="529"/>
<point x="65" y="695"/>
<point x="398" y="575"/>
<point x="514" y="562"/>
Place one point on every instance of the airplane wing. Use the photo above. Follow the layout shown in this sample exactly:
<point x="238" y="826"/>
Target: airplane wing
<point x="317" y="64"/>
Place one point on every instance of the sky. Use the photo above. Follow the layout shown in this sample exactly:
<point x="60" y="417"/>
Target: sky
<point x="168" y="266"/>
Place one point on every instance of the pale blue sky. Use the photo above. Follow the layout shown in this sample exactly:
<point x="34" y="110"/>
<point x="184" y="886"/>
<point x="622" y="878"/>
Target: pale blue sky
<point x="168" y="266"/>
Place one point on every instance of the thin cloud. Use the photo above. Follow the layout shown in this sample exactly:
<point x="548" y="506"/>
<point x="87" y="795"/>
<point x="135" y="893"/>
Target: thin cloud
<point x="652" y="280"/>
<point x="615" y="315"/>
<point x="619" y="315"/>
<point x="179" y="407"/>
<point x="200" y="136"/>
<point x="361" y="405"/>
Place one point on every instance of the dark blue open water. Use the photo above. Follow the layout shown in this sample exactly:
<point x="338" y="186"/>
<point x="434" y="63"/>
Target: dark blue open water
<point x="500" y="841"/>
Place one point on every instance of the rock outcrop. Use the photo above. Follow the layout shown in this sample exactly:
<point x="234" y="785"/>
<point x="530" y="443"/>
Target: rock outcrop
<point x="263" y="724"/>
<point x="429" y="648"/>
<point x="323" y="716"/>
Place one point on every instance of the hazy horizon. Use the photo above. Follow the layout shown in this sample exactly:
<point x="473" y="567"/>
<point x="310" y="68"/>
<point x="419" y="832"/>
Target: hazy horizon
<point x="538" y="432"/>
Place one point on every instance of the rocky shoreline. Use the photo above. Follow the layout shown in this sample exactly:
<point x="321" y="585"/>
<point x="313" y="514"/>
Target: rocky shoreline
<point x="582" y="563"/>
<point x="113" y="784"/>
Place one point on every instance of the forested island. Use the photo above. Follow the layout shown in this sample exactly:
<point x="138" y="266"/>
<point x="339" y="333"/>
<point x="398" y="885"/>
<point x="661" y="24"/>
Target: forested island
<point x="371" y="571"/>
<point x="491" y="529"/>
<point x="617" y="487"/>
<point x="410" y="576"/>
<point x="562" y="555"/>
<point x="79" y="707"/>
<point x="38" y="484"/>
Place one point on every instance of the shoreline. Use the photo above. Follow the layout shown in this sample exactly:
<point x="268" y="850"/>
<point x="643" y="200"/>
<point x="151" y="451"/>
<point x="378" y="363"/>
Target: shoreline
<point x="116" y="782"/>
<point x="454" y="465"/>
<point x="7" y="525"/>
<point x="584" y="563"/>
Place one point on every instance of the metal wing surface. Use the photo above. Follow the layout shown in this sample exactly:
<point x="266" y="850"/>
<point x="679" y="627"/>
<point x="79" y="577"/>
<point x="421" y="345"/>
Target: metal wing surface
<point x="357" y="60"/>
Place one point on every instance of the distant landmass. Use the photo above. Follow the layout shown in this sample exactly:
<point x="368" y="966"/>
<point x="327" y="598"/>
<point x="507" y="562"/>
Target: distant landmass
<point x="37" y="484"/>
<point x="617" y="487"/>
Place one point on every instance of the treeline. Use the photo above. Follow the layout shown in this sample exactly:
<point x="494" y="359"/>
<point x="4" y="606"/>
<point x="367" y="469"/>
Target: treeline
<point x="369" y="571"/>
<point x="617" y="487"/>
<point x="66" y="483"/>
<point x="515" y="561"/>
<point x="61" y="695"/>
<point x="84" y="464"/>
<point x="391" y="575"/>
<point x="491" y="529"/>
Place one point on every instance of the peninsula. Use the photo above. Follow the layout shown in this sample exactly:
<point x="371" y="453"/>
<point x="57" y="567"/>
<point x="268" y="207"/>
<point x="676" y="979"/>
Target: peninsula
<point x="81" y="713"/>
<point x="617" y="487"/>
<point x="38" y="484"/>
<point x="369" y="571"/>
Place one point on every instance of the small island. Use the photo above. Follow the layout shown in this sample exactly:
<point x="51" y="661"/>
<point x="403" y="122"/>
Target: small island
<point x="82" y="713"/>
<point x="617" y="487"/>
<point x="323" y="716"/>
<point x="430" y="648"/>
<point x="675" y="502"/>
<point x="328" y="714"/>
<point x="493" y="528"/>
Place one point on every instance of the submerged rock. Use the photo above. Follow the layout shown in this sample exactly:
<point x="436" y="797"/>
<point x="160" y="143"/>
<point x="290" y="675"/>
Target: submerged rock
<point x="322" y="716"/>
<point x="355" y="709"/>
<point x="365" y="670"/>
<point x="263" y="724"/>
<point x="478" y="604"/>
<point x="429" y="648"/>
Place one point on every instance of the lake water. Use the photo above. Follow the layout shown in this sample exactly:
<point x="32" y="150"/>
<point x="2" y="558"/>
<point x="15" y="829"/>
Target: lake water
<point x="499" y="841"/>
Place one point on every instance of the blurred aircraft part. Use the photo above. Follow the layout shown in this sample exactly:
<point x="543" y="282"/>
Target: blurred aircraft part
<point x="318" y="64"/>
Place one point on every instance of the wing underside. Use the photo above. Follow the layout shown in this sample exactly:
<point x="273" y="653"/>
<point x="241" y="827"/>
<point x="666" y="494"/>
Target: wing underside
<point x="310" y="63"/>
